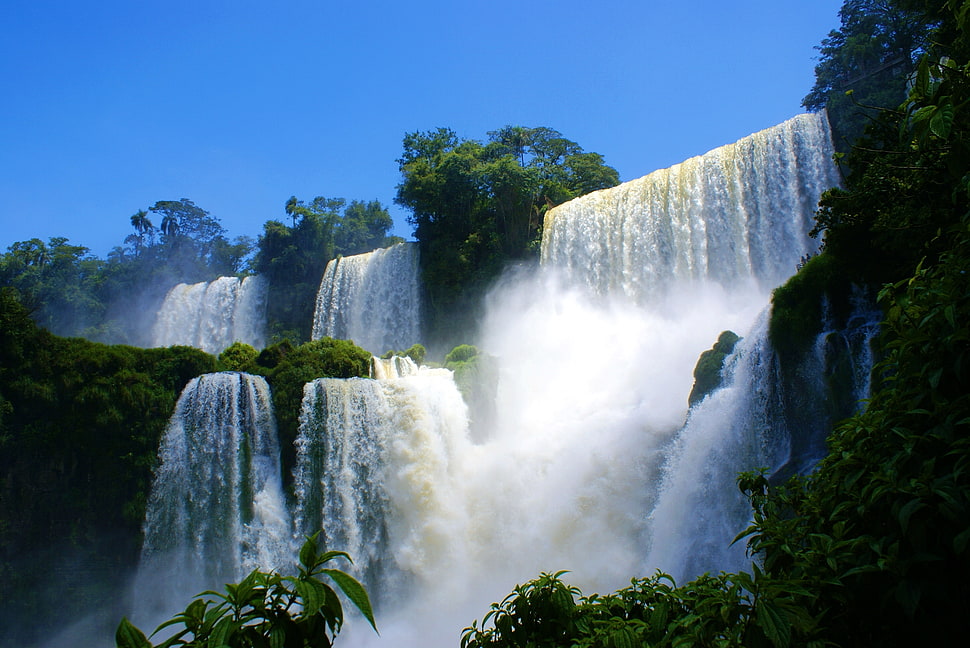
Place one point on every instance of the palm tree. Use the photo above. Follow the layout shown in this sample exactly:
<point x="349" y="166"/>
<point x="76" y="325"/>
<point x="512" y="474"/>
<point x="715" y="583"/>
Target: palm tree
<point x="143" y="227"/>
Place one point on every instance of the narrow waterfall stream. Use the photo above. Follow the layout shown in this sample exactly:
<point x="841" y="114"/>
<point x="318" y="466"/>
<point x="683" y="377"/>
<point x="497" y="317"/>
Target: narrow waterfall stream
<point x="372" y="299"/>
<point x="213" y="315"/>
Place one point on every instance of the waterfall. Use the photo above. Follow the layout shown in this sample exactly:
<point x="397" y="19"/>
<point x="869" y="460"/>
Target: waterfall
<point x="371" y="299"/>
<point x="588" y="464"/>
<point x="216" y="508"/>
<point x="740" y="213"/>
<point x="373" y="471"/>
<point x="213" y="315"/>
<point x="761" y="418"/>
<point x="591" y="462"/>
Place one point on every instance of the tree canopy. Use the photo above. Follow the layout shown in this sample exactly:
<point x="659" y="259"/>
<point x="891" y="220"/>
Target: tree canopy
<point x="864" y="64"/>
<point x="476" y="206"/>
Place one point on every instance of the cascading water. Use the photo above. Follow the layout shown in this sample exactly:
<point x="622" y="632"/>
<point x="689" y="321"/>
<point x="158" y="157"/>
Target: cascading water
<point x="762" y="418"/>
<point x="373" y="472"/>
<point x="736" y="214"/>
<point x="216" y="509"/>
<point x="587" y="465"/>
<point x="372" y="299"/>
<point x="213" y="315"/>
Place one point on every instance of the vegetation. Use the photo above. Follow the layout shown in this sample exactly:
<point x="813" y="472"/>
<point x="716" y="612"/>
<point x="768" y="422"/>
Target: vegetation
<point x="416" y="352"/>
<point x="729" y="610"/>
<point x="707" y="371"/>
<point x="476" y="207"/>
<point x="864" y="65"/>
<point x="294" y="257"/>
<point x="288" y="368"/>
<point x="80" y="424"/>
<point x="265" y="609"/>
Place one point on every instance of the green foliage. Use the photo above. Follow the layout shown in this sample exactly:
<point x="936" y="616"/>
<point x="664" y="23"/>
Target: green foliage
<point x="864" y="65"/>
<point x="797" y="306"/>
<point x="880" y="532"/>
<point x="724" y="610"/>
<point x="58" y="282"/>
<point x="238" y="356"/>
<point x="80" y="424"/>
<point x="477" y="206"/>
<point x="461" y="353"/>
<point x="707" y="371"/>
<point x="266" y="610"/>
<point x="416" y="352"/>
<point x="288" y="368"/>
<point x="293" y="258"/>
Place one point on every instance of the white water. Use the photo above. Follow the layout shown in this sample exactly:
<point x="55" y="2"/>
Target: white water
<point x="372" y="299"/>
<point x="213" y="315"/>
<point x="216" y="508"/>
<point x="588" y="465"/>
<point x="739" y="213"/>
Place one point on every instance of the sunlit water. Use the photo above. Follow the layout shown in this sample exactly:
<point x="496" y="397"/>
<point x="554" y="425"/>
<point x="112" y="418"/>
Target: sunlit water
<point x="590" y="463"/>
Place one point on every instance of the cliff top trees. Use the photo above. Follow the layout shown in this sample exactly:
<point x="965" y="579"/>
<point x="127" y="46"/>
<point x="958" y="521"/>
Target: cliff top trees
<point x="477" y="205"/>
<point x="871" y="54"/>
<point x="293" y="258"/>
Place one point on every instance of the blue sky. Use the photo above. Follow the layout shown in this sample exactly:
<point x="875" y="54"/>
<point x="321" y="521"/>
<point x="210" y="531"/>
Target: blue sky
<point x="109" y="106"/>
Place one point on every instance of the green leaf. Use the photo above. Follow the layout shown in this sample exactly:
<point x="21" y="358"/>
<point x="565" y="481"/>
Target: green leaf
<point x="942" y="120"/>
<point x="308" y="552"/>
<point x="330" y="555"/>
<point x="907" y="512"/>
<point x="354" y="591"/>
<point x="773" y="623"/>
<point x="222" y="632"/>
<point x="960" y="541"/>
<point x="128" y="636"/>
<point x="277" y="637"/>
<point x="313" y="593"/>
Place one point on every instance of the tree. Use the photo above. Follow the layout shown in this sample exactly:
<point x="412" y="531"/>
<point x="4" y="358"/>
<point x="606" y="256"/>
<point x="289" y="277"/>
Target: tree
<point x="477" y="206"/>
<point x="870" y="57"/>
<point x="362" y="228"/>
<point x="143" y="230"/>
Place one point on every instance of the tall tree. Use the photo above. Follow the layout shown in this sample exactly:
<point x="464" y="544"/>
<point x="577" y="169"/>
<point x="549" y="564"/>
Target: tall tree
<point x="864" y="65"/>
<point x="477" y="206"/>
<point x="362" y="228"/>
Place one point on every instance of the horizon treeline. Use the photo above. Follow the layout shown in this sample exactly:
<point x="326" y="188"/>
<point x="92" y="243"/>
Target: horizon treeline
<point x="475" y="207"/>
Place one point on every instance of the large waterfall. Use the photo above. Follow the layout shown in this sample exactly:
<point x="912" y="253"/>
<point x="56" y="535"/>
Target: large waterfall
<point x="587" y="463"/>
<point x="737" y="214"/>
<point x="590" y="461"/>
<point x="216" y="508"/>
<point x="213" y="315"/>
<point x="372" y="299"/>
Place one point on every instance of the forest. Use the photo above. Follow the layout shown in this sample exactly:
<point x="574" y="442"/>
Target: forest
<point x="872" y="548"/>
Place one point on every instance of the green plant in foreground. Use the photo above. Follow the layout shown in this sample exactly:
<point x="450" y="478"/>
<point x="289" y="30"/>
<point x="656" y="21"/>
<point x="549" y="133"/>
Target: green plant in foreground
<point x="265" y="610"/>
<point x="726" y="610"/>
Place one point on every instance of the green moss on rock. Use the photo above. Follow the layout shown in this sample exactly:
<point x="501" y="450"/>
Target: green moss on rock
<point x="707" y="372"/>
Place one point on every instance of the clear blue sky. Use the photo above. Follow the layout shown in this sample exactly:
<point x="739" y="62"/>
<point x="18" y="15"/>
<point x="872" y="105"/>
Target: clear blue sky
<point x="109" y="106"/>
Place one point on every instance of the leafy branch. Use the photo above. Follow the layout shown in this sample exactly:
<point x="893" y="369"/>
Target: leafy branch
<point x="265" y="610"/>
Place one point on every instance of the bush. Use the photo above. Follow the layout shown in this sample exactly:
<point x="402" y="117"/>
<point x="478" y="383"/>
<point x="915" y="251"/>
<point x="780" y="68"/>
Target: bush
<point x="265" y="609"/>
<point x="239" y="356"/>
